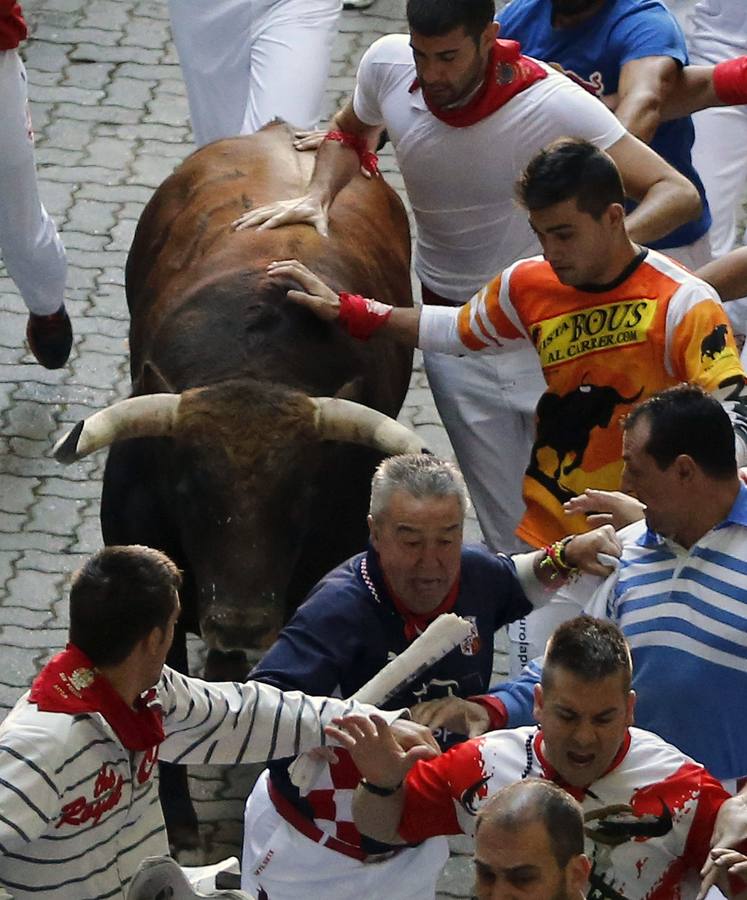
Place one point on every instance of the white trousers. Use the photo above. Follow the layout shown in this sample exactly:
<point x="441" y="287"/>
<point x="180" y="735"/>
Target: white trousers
<point x="287" y="865"/>
<point x="247" y="62"/>
<point x="487" y="405"/>
<point x="29" y="243"/>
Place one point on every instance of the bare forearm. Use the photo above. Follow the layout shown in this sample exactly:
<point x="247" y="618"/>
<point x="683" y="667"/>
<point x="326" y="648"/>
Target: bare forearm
<point x="728" y="274"/>
<point x="666" y="205"/>
<point x="336" y="163"/>
<point x="403" y="326"/>
<point x="379" y="817"/>
<point x="692" y="92"/>
<point x="641" y="115"/>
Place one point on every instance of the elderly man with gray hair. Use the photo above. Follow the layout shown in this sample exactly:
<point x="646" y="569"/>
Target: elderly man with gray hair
<point x="360" y="616"/>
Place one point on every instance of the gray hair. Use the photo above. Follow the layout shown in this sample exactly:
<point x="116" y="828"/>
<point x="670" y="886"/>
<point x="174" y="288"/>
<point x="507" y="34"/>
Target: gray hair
<point x="419" y="475"/>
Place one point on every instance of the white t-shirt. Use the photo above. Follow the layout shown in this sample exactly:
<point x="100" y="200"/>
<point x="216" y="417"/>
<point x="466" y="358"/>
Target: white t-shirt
<point x="717" y="30"/>
<point x="460" y="181"/>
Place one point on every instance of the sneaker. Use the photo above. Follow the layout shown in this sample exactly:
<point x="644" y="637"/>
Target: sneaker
<point x="50" y="338"/>
<point x="161" y="878"/>
<point x="357" y="4"/>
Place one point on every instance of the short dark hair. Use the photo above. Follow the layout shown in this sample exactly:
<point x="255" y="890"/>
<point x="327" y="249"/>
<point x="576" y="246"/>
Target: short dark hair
<point x="118" y="597"/>
<point x="590" y="649"/>
<point x="571" y="168"/>
<point x="432" y="18"/>
<point x="534" y="799"/>
<point x="687" y="420"/>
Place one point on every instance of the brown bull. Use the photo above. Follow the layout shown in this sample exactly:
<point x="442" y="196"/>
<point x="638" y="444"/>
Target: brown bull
<point x="230" y="464"/>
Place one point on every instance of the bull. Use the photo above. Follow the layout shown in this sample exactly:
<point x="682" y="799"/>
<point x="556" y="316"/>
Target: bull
<point x="247" y="447"/>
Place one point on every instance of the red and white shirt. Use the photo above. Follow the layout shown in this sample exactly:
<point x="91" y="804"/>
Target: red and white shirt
<point x="653" y="850"/>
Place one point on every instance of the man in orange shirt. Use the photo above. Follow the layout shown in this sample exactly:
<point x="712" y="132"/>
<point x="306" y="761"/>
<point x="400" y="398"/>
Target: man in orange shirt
<point x="612" y="323"/>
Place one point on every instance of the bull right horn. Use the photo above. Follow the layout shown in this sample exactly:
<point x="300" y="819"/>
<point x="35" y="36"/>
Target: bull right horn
<point x="342" y="420"/>
<point x="152" y="415"/>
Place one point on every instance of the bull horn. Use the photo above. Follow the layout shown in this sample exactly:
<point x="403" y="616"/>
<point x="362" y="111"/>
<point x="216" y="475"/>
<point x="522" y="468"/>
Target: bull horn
<point x="152" y="415"/>
<point x="342" y="420"/>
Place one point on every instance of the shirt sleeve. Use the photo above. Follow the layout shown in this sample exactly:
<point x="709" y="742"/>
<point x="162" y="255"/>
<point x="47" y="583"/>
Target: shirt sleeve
<point x="431" y="792"/>
<point x="304" y="658"/>
<point x="652" y="31"/>
<point x="366" y="104"/>
<point x="222" y="723"/>
<point x="574" y="111"/>
<point x="711" y="797"/>
<point x="29" y="793"/>
<point x="699" y="340"/>
<point x="487" y="322"/>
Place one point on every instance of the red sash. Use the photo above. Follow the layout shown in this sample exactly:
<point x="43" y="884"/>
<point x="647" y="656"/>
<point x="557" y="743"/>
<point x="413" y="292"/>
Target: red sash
<point x="70" y="683"/>
<point x="508" y="73"/>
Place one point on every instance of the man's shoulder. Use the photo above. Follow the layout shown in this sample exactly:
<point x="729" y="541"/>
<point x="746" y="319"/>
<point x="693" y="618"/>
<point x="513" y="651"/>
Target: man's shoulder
<point x="391" y="50"/>
<point x="651" y="756"/>
<point x="45" y="733"/>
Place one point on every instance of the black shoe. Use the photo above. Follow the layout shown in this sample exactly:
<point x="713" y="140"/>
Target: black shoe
<point x="357" y="4"/>
<point x="50" y="338"/>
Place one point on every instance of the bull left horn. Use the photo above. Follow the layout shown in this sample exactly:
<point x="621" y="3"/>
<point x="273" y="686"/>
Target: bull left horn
<point x="342" y="420"/>
<point x="152" y="415"/>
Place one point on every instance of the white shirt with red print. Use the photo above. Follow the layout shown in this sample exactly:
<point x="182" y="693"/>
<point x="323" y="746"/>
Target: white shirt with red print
<point x="653" y="850"/>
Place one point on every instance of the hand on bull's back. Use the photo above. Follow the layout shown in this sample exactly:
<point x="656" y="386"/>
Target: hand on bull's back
<point x="319" y="298"/>
<point x="307" y="210"/>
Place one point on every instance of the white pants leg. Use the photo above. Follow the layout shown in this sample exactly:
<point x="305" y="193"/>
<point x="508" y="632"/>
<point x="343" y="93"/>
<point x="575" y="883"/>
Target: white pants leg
<point x="286" y="865"/>
<point x="487" y="406"/>
<point x="29" y="243"/>
<point x="719" y="156"/>
<point x="291" y="55"/>
<point x="246" y="62"/>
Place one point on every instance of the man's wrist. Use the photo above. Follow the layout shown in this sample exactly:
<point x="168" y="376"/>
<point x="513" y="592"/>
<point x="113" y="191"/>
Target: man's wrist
<point x="379" y="790"/>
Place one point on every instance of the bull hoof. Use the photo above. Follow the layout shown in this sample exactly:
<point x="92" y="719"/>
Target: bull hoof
<point x="230" y="666"/>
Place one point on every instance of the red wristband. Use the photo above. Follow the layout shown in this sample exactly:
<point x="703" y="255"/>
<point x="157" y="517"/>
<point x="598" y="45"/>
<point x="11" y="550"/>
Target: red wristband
<point x="368" y="160"/>
<point x="730" y="81"/>
<point x="362" y="317"/>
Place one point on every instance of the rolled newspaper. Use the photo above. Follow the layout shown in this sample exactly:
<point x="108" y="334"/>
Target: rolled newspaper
<point x="440" y="637"/>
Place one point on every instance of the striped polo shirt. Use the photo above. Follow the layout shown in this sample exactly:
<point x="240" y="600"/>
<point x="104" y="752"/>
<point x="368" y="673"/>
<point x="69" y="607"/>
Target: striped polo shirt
<point x="684" y="613"/>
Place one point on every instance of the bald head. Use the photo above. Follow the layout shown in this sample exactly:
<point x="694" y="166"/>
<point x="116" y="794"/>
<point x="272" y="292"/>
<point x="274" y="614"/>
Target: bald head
<point x="530" y="836"/>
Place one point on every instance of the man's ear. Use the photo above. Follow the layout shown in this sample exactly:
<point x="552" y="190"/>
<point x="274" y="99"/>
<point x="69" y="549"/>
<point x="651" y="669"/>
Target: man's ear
<point x="616" y="214"/>
<point x="487" y="39"/>
<point x="373" y="532"/>
<point x="578" y="874"/>
<point x="686" y="468"/>
<point x="630" y="710"/>
<point x="538" y="701"/>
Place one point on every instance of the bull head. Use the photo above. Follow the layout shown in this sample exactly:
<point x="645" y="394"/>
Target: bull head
<point x="157" y="415"/>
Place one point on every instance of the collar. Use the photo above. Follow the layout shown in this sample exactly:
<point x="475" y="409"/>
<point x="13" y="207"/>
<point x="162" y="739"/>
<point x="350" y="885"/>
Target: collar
<point x="508" y="73"/>
<point x="616" y="282"/>
<point x="551" y="773"/>
<point x="414" y="623"/>
<point x="71" y="684"/>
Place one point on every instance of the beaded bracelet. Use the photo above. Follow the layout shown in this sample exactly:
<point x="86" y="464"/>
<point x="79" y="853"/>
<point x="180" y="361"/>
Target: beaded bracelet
<point x="555" y="561"/>
<point x="368" y="160"/>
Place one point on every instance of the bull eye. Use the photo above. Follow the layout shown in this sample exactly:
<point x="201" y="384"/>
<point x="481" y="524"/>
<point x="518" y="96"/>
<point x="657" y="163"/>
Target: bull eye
<point x="585" y="388"/>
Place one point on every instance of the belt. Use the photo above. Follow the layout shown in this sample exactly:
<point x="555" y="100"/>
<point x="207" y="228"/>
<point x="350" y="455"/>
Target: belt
<point x="308" y="829"/>
<point x="431" y="298"/>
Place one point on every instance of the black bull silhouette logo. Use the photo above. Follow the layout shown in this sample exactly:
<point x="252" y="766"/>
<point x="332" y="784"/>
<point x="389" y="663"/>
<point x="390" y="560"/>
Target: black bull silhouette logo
<point x="564" y="423"/>
<point x="714" y="343"/>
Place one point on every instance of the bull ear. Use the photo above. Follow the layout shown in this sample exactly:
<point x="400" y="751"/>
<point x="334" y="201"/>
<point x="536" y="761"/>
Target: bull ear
<point x="352" y="390"/>
<point x="152" y="381"/>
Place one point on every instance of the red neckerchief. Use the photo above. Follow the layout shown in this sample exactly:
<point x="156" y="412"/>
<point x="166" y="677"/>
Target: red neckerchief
<point x="508" y="73"/>
<point x="12" y="27"/>
<point x="415" y="623"/>
<point x="551" y="774"/>
<point x="70" y="683"/>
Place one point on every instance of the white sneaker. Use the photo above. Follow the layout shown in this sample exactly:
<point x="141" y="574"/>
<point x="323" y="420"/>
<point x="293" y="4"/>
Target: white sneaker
<point x="161" y="878"/>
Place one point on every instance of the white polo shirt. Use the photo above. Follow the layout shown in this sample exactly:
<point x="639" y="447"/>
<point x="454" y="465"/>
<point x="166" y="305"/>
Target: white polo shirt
<point x="460" y="181"/>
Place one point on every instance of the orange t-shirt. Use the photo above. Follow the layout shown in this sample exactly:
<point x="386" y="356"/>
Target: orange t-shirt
<point x="601" y="352"/>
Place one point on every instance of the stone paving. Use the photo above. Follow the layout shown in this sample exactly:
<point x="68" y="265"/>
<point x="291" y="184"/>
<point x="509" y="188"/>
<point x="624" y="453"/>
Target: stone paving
<point x="111" y="121"/>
